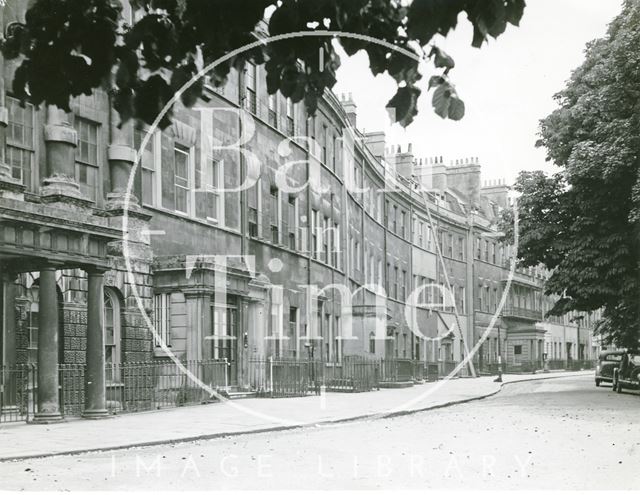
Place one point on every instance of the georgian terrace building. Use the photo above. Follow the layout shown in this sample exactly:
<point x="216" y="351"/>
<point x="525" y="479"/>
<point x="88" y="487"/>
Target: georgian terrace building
<point x="70" y="296"/>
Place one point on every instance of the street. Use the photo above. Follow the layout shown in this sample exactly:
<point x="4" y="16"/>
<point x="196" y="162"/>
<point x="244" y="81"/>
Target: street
<point x="560" y="433"/>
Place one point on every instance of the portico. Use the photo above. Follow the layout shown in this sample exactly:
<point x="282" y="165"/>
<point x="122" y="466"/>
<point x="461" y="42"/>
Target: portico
<point x="44" y="239"/>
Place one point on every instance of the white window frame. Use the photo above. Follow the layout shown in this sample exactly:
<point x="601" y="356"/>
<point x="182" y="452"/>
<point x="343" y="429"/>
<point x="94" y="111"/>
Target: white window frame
<point x="162" y="319"/>
<point x="209" y="188"/>
<point x="156" y="183"/>
<point x="189" y="152"/>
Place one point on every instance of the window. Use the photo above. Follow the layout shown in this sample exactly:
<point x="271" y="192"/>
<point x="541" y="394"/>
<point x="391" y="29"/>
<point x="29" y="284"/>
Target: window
<point x="250" y="87"/>
<point x="293" y="322"/>
<point x="273" y="111"/>
<point x="292" y="206"/>
<point x="209" y="186"/>
<point x="335" y="234"/>
<point x="461" y="248"/>
<point x="87" y="157"/>
<point x="421" y="234"/>
<point x="486" y="250"/>
<point x="357" y="255"/>
<point x="403" y="219"/>
<point x="487" y="296"/>
<point x="387" y="213"/>
<point x="20" y="141"/>
<point x="394" y="219"/>
<point x="323" y="144"/>
<point x="326" y="233"/>
<point x="493" y="253"/>
<point x="181" y="179"/>
<point x="404" y="284"/>
<point x="162" y="319"/>
<point x="517" y="349"/>
<point x="147" y="165"/>
<point x="290" y="121"/>
<point x="314" y="232"/>
<point x="395" y="282"/>
<point x="478" y="250"/>
<point x="335" y="153"/>
<point x="372" y="343"/>
<point x="388" y="278"/>
<point x="112" y="335"/>
<point x="275" y="215"/>
<point x="33" y="317"/>
<point x="253" y="202"/>
<point x="450" y="245"/>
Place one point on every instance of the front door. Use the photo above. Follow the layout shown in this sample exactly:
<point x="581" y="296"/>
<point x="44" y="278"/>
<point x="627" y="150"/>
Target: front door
<point x="225" y="338"/>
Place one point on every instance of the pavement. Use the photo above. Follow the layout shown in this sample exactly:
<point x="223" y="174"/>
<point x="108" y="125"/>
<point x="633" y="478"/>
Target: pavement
<point x="229" y="418"/>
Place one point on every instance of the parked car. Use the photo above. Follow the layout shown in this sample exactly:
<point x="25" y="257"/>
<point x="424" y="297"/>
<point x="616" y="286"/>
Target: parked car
<point x="627" y="375"/>
<point x="607" y="362"/>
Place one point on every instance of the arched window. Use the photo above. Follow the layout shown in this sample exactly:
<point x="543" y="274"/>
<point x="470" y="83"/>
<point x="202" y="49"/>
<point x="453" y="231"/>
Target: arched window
<point x="32" y="319"/>
<point x="112" y="334"/>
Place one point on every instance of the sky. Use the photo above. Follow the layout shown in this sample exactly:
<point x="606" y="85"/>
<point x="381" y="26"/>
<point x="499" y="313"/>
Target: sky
<point x="507" y="86"/>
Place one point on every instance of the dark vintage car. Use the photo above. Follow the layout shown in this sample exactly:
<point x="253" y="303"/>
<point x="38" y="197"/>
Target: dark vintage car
<point x="607" y="362"/>
<point x="627" y="374"/>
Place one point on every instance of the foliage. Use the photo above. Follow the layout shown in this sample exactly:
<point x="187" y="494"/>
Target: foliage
<point x="582" y="222"/>
<point x="69" y="47"/>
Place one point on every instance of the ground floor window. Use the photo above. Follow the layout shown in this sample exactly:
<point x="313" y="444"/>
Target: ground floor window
<point x="162" y="319"/>
<point x="112" y="334"/>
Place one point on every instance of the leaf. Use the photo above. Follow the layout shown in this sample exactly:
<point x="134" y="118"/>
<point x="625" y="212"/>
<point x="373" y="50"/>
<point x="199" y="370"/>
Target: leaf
<point x="441" y="59"/>
<point x="514" y="10"/>
<point x="429" y="17"/>
<point x="435" y="81"/>
<point x="456" y="108"/>
<point x="403" y="106"/>
<point x="441" y="100"/>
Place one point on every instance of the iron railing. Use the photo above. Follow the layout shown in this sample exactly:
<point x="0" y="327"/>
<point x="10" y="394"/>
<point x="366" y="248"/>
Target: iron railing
<point x="285" y="377"/>
<point x="146" y="386"/>
<point x="18" y="386"/>
<point x="352" y="374"/>
<point x="143" y="386"/>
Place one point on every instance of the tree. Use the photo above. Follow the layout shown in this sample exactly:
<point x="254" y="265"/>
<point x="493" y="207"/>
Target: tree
<point x="70" y="47"/>
<point x="582" y="222"/>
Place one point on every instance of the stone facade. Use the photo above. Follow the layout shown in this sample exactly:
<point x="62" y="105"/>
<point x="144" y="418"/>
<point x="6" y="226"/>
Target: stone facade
<point x="371" y="215"/>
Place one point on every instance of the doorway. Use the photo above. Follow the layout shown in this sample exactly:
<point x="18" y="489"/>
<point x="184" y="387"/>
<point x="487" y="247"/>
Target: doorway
<point x="224" y="341"/>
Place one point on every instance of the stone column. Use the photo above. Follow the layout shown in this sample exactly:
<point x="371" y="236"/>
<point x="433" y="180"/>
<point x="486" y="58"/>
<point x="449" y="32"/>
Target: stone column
<point x="94" y="376"/>
<point x="9" y="187"/>
<point x="48" y="394"/>
<point x="61" y="140"/>
<point x="121" y="156"/>
<point x="8" y="342"/>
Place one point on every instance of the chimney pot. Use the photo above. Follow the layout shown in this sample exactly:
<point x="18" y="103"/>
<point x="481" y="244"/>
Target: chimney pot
<point x="409" y="148"/>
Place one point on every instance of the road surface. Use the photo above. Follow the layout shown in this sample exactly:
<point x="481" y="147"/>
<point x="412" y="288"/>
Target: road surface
<point x="561" y="433"/>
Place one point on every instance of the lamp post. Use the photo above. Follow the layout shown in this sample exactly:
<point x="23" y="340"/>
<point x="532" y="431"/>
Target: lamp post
<point x="499" y="378"/>
<point x="310" y="346"/>
<point x="578" y="319"/>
